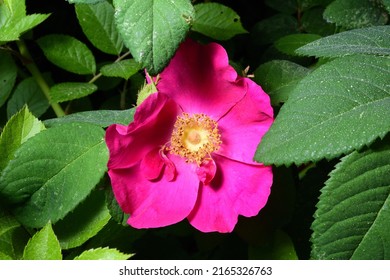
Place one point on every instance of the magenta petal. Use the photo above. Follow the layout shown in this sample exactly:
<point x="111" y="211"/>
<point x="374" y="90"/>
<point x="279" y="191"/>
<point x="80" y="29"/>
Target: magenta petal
<point x="237" y="189"/>
<point x="155" y="204"/>
<point x="151" y="128"/>
<point x="152" y="164"/>
<point x="244" y="126"/>
<point x="200" y="79"/>
<point x="206" y="171"/>
<point x="170" y="169"/>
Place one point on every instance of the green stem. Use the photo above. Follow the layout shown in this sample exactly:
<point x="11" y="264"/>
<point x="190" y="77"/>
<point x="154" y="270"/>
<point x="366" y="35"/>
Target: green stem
<point x="304" y="170"/>
<point x="94" y="78"/>
<point x="122" y="103"/>
<point x="32" y="67"/>
<point x="122" y="56"/>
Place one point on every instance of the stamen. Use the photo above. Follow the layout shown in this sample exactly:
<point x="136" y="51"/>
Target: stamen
<point x="195" y="137"/>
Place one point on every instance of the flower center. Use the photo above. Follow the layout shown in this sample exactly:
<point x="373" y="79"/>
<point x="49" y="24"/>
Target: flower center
<point x="195" y="137"/>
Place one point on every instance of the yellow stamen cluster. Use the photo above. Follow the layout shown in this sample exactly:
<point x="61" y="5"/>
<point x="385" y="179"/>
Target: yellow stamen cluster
<point x="195" y="137"/>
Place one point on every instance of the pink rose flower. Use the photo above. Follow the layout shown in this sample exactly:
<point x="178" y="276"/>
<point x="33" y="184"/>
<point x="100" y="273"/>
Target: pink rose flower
<point x="189" y="151"/>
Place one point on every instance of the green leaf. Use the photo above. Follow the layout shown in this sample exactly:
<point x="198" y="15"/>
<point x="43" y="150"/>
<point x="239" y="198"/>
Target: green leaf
<point x="97" y="22"/>
<point x="43" y="245"/>
<point x="14" y="31"/>
<point x="152" y="30"/>
<point x="101" y="118"/>
<point x="14" y="22"/>
<point x="370" y="40"/>
<point x="282" y="248"/>
<point x="4" y="256"/>
<point x="115" y="210"/>
<point x="113" y="236"/>
<point x="278" y="78"/>
<point x="29" y="93"/>
<point x="270" y="29"/>
<point x="313" y="22"/>
<point x="288" y="44"/>
<point x="4" y="15"/>
<point x="84" y="222"/>
<point x="103" y="254"/>
<point x="352" y="220"/>
<point x="386" y="4"/>
<point x="217" y="21"/>
<point x="53" y="172"/>
<point x="18" y="129"/>
<point x="85" y="1"/>
<point x="68" y="53"/>
<point x="8" y="73"/>
<point x="352" y="14"/>
<point x="339" y="107"/>
<point x="13" y="237"/>
<point x="283" y="6"/>
<point x="122" y="69"/>
<point x="307" y="4"/>
<point x="16" y="9"/>
<point x="69" y="91"/>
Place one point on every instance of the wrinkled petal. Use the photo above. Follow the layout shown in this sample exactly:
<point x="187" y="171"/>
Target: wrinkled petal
<point x="151" y="128"/>
<point x="200" y="79"/>
<point x="237" y="189"/>
<point x="155" y="204"/>
<point x="152" y="164"/>
<point x="243" y="127"/>
<point x="170" y="169"/>
<point x="206" y="171"/>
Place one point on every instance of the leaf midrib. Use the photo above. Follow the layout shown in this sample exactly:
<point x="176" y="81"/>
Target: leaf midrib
<point x="48" y="180"/>
<point x="85" y="152"/>
<point x="101" y="26"/>
<point x="372" y="225"/>
<point x="327" y="120"/>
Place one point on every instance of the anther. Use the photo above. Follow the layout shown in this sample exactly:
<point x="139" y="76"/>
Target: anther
<point x="195" y="137"/>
